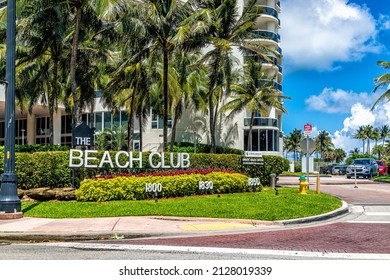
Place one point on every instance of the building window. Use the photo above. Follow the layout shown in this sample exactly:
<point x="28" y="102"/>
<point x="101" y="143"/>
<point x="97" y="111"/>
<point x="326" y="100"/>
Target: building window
<point x="265" y="140"/>
<point x="99" y="121"/>
<point x="42" y="130"/>
<point x="21" y="131"/>
<point x="158" y="121"/>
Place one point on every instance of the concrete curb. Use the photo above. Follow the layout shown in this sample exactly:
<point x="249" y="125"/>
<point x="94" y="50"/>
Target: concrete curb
<point x="344" y="209"/>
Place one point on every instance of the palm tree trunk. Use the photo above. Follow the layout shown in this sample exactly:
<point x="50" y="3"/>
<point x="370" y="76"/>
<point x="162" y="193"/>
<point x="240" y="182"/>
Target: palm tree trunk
<point x="249" y="146"/>
<point x="140" y="131"/>
<point x="165" y="90"/>
<point x="73" y="63"/>
<point x="211" y="106"/>
<point x="52" y="100"/>
<point x="130" y="124"/>
<point x="174" y="126"/>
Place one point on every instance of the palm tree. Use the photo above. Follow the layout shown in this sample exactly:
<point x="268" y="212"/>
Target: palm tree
<point x="38" y="70"/>
<point x="296" y="136"/>
<point x="323" y="142"/>
<point x="93" y="11"/>
<point x="159" y="20"/>
<point x="219" y="25"/>
<point x="339" y="155"/>
<point x="360" y="134"/>
<point x="191" y="84"/>
<point x="354" y="153"/>
<point x="384" y="131"/>
<point x="256" y="93"/>
<point x="382" y="81"/>
<point x="369" y="133"/>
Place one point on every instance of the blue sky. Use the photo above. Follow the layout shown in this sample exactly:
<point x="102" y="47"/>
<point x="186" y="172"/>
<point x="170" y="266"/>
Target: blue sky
<point x="330" y="51"/>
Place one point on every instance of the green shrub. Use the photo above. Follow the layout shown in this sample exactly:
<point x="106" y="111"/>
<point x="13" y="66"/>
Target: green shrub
<point x="133" y="188"/>
<point x="50" y="169"/>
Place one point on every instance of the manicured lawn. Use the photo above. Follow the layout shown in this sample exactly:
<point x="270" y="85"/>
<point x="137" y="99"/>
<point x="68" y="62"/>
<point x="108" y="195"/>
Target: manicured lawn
<point x="382" y="178"/>
<point x="264" y="205"/>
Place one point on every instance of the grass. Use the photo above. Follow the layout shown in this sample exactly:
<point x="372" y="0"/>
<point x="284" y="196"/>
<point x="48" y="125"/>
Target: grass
<point x="385" y="178"/>
<point x="264" y="205"/>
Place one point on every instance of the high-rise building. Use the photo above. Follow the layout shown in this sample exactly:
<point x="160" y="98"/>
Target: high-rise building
<point x="33" y="128"/>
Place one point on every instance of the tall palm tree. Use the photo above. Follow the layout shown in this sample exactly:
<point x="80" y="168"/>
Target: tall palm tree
<point x="382" y="81"/>
<point x="296" y="136"/>
<point x="38" y="70"/>
<point x="256" y="93"/>
<point x="191" y="82"/>
<point x="384" y="131"/>
<point x="361" y="135"/>
<point x="220" y="26"/>
<point x="86" y="13"/>
<point x="369" y="133"/>
<point x="159" y="20"/>
<point x="339" y="155"/>
<point x="323" y="142"/>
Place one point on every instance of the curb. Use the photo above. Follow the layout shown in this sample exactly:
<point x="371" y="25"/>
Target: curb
<point x="344" y="209"/>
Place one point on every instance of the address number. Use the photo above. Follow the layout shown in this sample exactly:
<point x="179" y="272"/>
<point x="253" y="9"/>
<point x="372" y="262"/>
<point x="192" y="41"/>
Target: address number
<point x="153" y="187"/>
<point x="252" y="182"/>
<point x="205" y="185"/>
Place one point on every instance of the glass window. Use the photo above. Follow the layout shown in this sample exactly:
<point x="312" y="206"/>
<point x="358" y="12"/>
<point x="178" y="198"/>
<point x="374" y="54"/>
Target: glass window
<point x="98" y="121"/>
<point x="116" y="119"/>
<point x="124" y="119"/>
<point x="107" y="120"/>
<point x="66" y="124"/>
<point x="158" y="121"/>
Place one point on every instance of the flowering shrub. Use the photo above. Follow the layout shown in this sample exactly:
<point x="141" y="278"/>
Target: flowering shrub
<point x="134" y="188"/>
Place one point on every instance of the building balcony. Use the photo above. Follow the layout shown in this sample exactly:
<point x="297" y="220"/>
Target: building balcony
<point x="258" y="121"/>
<point x="270" y="12"/>
<point x="268" y="35"/>
<point x="272" y="60"/>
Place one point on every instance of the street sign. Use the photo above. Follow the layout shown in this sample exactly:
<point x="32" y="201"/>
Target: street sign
<point x="308" y="143"/>
<point x="307" y="129"/>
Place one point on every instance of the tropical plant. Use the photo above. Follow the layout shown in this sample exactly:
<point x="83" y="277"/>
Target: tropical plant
<point x="361" y="135"/>
<point x="256" y="93"/>
<point x="296" y="136"/>
<point x="382" y="81"/>
<point x="323" y="142"/>
<point x="219" y="26"/>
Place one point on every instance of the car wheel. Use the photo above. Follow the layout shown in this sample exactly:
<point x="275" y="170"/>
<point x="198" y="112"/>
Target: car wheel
<point x="348" y="177"/>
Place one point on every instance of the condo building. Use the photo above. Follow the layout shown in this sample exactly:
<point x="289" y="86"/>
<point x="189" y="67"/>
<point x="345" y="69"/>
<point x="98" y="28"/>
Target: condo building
<point x="267" y="137"/>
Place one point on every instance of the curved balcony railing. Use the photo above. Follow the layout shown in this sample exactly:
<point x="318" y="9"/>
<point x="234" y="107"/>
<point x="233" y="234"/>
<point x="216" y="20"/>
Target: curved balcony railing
<point x="258" y="121"/>
<point x="264" y="34"/>
<point x="271" y="12"/>
<point x="259" y="59"/>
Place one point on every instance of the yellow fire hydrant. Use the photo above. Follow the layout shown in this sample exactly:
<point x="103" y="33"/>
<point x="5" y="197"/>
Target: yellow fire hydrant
<point x="303" y="185"/>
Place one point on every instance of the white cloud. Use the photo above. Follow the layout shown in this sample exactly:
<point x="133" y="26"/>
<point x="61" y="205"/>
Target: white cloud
<point x="318" y="33"/>
<point x="384" y="22"/>
<point x="337" y="101"/>
<point x="360" y="115"/>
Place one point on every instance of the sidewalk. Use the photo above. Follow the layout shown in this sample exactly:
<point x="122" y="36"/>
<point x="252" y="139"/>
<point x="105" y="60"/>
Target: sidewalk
<point x="41" y="229"/>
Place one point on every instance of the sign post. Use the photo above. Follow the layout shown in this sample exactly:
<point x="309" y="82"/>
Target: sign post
<point x="307" y="128"/>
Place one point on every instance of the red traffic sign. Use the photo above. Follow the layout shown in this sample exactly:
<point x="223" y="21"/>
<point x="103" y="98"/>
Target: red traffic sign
<point x="307" y="128"/>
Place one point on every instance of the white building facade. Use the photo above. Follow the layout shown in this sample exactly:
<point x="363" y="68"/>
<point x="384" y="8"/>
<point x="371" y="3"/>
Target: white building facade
<point x="33" y="128"/>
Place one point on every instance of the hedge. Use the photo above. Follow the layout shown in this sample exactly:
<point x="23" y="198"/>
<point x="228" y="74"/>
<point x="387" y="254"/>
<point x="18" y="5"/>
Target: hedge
<point x="50" y="169"/>
<point x="133" y="188"/>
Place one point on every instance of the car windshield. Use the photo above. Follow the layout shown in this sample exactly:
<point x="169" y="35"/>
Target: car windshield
<point x="361" y="161"/>
<point x="380" y="163"/>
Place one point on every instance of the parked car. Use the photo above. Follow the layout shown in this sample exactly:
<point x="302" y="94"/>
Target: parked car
<point x="339" y="170"/>
<point x="383" y="168"/>
<point x="363" y="167"/>
<point x="326" y="169"/>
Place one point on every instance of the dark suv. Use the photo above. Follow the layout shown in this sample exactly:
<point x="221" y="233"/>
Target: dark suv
<point x="363" y="167"/>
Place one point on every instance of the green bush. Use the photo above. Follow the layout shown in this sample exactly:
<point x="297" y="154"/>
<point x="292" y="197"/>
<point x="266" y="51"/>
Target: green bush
<point x="50" y="169"/>
<point x="133" y="188"/>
